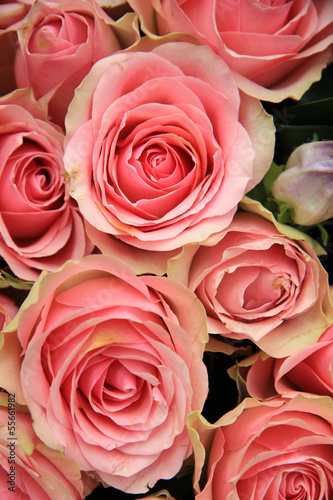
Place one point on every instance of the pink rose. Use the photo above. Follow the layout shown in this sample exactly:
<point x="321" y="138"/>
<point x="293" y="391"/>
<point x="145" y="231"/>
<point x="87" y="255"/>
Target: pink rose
<point x="307" y="370"/>
<point x="161" y="147"/>
<point x="8" y="309"/>
<point x="58" y="44"/>
<point x="28" y="468"/>
<point x="275" y="49"/>
<point x="278" y="449"/>
<point x="40" y="227"/>
<point x="257" y="283"/>
<point x="112" y="367"/>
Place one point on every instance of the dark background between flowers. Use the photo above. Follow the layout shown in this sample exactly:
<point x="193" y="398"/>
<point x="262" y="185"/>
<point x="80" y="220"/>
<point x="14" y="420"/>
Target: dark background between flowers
<point x="296" y="122"/>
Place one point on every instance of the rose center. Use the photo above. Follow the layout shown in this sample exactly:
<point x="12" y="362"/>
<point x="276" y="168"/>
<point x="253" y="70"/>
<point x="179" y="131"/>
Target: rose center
<point x="299" y="485"/>
<point x="43" y="178"/>
<point x="248" y="292"/>
<point x="161" y="160"/>
<point x="119" y="382"/>
<point x="53" y="35"/>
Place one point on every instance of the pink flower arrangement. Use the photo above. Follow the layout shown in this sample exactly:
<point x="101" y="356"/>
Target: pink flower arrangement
<point x="166" y="305"/>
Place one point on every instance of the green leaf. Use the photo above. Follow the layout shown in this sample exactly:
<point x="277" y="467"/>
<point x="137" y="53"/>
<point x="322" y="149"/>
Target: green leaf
<point x="323" y="234"/>
<point x="7" y="280"/>
<point x="283" y="215"/>
<point x="270" y="177"/>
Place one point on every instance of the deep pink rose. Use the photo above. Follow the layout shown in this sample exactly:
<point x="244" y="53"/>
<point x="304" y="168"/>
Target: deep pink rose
<point x="28" y="468"/>
<point x="161" y="147"/>
<point x="112" y="366"/>
<point x="257" y="283"/>
<point x="40" y="227"/>
<point x="275" y="49"/>
<point x="280" y="449"/>
<point x="307" y="370"/>
<point x="58" y="44"/>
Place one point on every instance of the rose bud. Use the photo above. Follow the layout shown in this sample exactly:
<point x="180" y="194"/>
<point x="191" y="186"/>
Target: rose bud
<point x="306" y="185"/>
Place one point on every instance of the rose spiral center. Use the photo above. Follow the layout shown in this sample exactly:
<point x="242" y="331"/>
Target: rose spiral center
<point x="54" y="36"/>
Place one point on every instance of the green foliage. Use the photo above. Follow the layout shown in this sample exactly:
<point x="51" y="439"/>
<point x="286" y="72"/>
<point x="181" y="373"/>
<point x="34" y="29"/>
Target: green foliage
<point x="263" y="193"/>
<point x="7" y="280"/>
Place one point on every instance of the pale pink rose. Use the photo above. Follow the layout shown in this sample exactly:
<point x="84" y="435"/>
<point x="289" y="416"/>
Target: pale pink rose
<point x="280" y="449"/>
<point x="161" y="146"/>
<point x="308" y="370"/>
<point x="275" y="49"/>
<point x="40" y="227"/>
<point x="28" y="468"/>
<point x="112" y="367"/>
<point x="58" y="44"/>
<point x="8" y="309"/>
<point x="257" y="283"/>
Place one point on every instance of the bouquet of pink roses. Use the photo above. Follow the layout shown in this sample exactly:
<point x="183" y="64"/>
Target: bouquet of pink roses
<point x="166" y="198"/>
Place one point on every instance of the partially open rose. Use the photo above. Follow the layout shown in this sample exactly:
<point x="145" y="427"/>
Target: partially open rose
<point x="308" y="370"/>
<point x="58" y="44"/>
<point x="258" y="283"/>
<point x="161" y="146"/>
<point x="40" y="227"/>
<point x="276" y="49"/>
<point x="112" y="367"/>
<point x="275" y="449"/>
